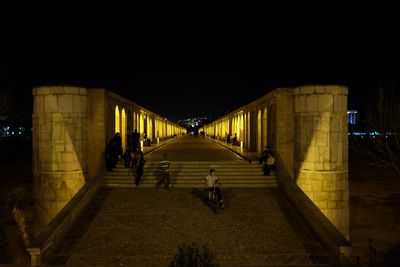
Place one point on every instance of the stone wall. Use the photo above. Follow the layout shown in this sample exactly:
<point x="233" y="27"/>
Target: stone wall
<point x="307" y="128"/>
<point x="59" y="145"/>
<point x="71" y="128"/>
<point x="321" y="150"/>
<point x="284" y="143"/>
<point x="97" y="125"/>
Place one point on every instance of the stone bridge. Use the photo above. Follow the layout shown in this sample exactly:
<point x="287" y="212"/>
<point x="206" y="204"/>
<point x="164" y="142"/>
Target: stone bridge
<point x="305" y="126"/>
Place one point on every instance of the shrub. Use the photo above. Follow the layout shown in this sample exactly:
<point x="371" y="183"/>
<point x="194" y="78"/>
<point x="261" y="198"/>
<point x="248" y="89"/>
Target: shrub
<point x="17" y="197"/>
<point x="15" y="200"/>
<point x="194" y="255"/>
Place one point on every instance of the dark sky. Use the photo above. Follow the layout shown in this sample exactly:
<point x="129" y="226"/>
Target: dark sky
<point x="187" y="58"/>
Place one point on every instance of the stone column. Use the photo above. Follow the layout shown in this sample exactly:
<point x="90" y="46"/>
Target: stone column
<point x="283" y="142"/>
<point x="59" y="148"/>
<point x="97" y="131"/>
<point x="321" y="148"/>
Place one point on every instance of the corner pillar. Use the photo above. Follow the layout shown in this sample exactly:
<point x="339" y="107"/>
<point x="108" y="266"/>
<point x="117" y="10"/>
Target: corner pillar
<point x="321" y="150"/>
<point x="59" y="147"/>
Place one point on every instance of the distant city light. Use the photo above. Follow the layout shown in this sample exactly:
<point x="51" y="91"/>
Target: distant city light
<point x="352" y="116"/>
<point x="193" y="122"/>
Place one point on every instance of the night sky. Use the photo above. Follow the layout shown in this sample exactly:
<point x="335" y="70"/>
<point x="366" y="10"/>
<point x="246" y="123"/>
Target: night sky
<point x="183" y="59"/>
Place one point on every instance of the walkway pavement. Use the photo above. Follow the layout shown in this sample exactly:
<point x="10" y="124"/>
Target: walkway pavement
<point x="242" y="152"/>
<point x="144" y="227"/>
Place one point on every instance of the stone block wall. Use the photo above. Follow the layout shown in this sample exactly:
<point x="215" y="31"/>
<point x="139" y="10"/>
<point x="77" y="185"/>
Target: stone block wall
<point x="97" y="125"/>
<point x="284" y="128"/>
<point x="59" y="149"/>
<point x="321" y="150"/>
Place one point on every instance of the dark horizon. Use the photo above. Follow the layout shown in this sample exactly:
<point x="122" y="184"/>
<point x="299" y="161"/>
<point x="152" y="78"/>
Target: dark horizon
<point x="182" y="64"/>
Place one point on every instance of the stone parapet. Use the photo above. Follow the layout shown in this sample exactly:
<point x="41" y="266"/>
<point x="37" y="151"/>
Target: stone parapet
<point x="59" y="147"/>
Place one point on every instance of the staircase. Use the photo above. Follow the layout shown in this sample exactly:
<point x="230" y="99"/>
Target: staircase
<point x="238" y="173"/>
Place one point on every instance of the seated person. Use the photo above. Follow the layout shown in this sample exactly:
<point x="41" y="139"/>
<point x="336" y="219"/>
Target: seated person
<point x="264" y="154"/>
<point x="269" y="164"/>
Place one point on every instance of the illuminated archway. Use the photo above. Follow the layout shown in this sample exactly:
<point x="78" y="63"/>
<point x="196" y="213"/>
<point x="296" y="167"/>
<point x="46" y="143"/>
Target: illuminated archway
<point x="265" y="129"/>
<point x="259" y="132"/>
<point x="134" y="120"/>
<point x="123" y="129"/>
<point x="117" y="121"/>
<point x="248" y="125"/>
<point x="141" y="124"/>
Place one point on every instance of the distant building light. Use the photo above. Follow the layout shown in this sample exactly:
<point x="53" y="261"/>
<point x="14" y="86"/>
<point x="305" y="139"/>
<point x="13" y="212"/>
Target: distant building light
<point x="352" y="116"/>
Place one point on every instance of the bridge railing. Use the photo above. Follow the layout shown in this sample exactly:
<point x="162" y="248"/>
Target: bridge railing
<point x="51" y="236"/>
<point x="378" y="258"/>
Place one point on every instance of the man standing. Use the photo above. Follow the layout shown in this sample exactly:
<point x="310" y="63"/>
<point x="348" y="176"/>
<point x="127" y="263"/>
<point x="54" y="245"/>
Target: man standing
<point x="138" y="164"/>
<point x="164" y="167"/>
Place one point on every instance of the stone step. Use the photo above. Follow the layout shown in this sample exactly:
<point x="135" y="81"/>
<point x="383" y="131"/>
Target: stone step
<point x="199" y="181"/>
<point x="192" y="176"/>
<point x="227" y="162"/>
<point x="237" y="173"/>
<point x="196" y="181"/>
<point x="188" y="185"/>
<point x="200" y="171"/>
<point x="201" y="167"/>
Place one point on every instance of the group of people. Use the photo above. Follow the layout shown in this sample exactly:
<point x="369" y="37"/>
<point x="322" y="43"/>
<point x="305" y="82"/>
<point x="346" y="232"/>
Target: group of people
<point x="231" y="139"/>
<point x="134" y="158"/>
<point x="113" y="151"/>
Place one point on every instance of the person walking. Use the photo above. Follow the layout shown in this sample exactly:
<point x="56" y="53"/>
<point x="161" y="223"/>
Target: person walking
<point x="138" y="164"/>
<point x="164" y="167"/>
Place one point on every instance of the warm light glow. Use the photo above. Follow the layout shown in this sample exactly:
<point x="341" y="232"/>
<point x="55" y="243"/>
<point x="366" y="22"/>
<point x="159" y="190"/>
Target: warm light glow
<point x="265" y="128"/>
<point x="123" y="129"/>
<point x="259" y="132"/>
<point x="117" y="122"/>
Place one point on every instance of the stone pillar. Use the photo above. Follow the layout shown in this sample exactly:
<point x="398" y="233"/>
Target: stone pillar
<point x="284" y="130"/>
<point x="97" y="124"/>
<point x="321" y="147"/>
<point x="59" y="148"/>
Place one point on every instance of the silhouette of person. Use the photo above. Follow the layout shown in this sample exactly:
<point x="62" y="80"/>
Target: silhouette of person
<point x="164" y="167"/>
<point x="138" y="164"/>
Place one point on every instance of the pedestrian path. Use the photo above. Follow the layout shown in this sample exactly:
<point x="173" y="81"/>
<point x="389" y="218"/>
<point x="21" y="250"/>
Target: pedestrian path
<point x="244" y="152"/>
<point x="143" y="227"/>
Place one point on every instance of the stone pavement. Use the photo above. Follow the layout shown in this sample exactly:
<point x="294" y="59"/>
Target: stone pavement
<point x="143" y="227"/>
<point x="243" y="152"/>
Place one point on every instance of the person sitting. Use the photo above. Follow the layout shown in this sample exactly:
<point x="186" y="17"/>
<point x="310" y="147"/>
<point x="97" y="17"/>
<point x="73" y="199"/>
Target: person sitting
<point x="148" y="142"/>
<point x="213" y="182"/>
<point x="228" y="138"/>
<point x="264" y="154"/>
<point x="234" y="140"/>
<point x="269" y="164"/>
